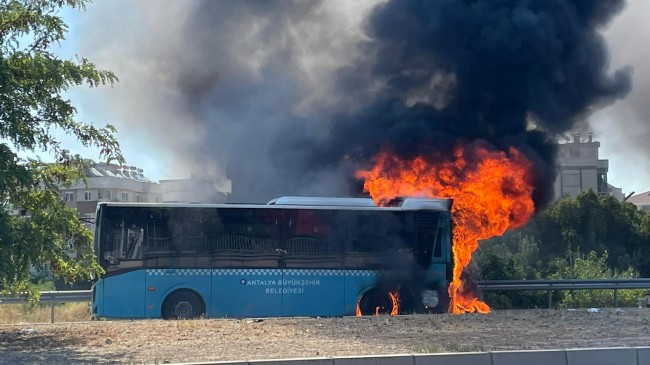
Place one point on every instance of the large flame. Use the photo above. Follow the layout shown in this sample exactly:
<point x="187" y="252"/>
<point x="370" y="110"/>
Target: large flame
<point x="491" y="190"/>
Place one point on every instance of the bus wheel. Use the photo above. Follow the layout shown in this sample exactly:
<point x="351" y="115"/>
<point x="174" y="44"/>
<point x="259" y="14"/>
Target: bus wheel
<point x="183" y="304"/>
<point x="374" y="302"/>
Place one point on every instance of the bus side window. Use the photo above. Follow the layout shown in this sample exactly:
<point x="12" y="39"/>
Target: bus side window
<point x="159" y="235"/>
<point x="313" y="233"/>
<point x="364" y="237"/>
<point x="248" y="230"/>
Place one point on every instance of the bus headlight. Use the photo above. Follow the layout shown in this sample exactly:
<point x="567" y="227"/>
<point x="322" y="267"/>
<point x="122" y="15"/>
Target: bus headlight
<point x="430" y="298"/>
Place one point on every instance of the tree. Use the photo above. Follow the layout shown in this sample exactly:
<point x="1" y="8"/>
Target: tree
<point x="33" y="80"/>
<point x="599" y="223"/>
<point x="513" y="256"/>
<point x="616" y="236"/>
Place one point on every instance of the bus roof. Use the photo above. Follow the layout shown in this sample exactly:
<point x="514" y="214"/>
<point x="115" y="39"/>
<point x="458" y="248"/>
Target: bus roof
<point x="322" y="201"/>
<point x="309" y="203"/>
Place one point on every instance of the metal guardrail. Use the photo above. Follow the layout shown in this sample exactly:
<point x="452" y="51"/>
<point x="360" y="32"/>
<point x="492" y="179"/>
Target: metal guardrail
<point x="53" y="298"/>
<point x="69" y="296"/>
<point x="566" y="284"/>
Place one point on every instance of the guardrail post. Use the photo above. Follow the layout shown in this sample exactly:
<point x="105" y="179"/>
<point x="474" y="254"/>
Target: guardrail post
<point x="615" y="298"/>
<point x="52" y="304"/>
<point x="550" y="298"/>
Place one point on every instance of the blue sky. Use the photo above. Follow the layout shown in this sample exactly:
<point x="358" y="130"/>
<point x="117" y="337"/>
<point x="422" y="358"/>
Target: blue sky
<point x="95" y="115"/>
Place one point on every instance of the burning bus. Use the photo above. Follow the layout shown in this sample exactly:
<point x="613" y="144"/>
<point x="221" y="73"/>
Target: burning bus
<point x="295" y="256"/>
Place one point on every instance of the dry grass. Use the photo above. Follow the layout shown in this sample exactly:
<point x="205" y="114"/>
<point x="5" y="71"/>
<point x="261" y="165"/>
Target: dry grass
<point x="158" y="341"/>
<point x="19" y="313"/>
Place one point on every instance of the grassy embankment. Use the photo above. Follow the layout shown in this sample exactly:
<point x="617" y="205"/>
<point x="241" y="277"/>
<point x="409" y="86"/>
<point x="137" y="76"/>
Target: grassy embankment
<point x="19" y="313"/>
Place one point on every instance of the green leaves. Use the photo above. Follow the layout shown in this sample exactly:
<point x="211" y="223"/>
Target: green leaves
<point x="599" y="223"/>
<point x="591" y="266"/>
<point x="38" y="20"/>
<point x="615" y="235"/>
<point x="33" y="81"/>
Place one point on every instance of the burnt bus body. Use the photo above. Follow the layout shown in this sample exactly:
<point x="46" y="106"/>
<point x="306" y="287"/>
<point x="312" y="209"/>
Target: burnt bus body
<point x="295" y="256"/>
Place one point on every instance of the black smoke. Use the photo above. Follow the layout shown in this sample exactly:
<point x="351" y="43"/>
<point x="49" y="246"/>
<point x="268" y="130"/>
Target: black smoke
<point x="291" y="97"/>
<point x="510" y="73"/>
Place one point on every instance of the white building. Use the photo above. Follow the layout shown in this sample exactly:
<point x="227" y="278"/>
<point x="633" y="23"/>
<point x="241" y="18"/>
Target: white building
<point x="581" y="169"/>
<point x="110" y="182"/>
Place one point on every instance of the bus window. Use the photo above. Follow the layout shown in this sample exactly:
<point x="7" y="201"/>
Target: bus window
<point x="186" y="225"/>
<point x="367" y="239"/>
<point x="123" y="239"/>
<point x="367" y="232"/>
<point x="378" y="232"/>
<point x="241" y="233"/>
<point x="313" y="232"/>
<point x="159" y="235"/>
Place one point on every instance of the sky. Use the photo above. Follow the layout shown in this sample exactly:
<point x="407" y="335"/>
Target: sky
<point x="621" y="128"/>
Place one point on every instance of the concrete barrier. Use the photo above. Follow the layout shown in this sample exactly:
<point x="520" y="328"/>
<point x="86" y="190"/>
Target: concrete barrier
<point x="606" y="356"/>
<point x="593" y="356"/>
<point x="468" y="358"/>
<point x="643" y="356"/>
<point x="304" y="361"/>
<point x="374" y="360"/>
<point x="541" y="357"/>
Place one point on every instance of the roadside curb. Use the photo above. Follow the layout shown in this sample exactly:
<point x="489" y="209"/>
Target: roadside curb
<point x="585" y="356"/>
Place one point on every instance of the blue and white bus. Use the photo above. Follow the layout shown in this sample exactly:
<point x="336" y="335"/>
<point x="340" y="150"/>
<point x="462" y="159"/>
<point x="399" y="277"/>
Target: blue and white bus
<point x="295" y="256"/>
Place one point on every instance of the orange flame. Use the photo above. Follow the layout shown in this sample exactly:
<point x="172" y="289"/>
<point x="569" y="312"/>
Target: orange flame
<point x="490" y="195"/>
<point x="394" y="297"/>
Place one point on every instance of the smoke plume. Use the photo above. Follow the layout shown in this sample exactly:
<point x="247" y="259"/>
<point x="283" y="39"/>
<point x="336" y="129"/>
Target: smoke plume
<point x="290" y="97"/>
<point x="511" y="73"/>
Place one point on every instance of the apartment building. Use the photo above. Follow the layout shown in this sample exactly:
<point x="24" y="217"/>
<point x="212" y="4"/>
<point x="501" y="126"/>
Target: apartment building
<point x="581" y="169"/>
<point x="110" y="182"/>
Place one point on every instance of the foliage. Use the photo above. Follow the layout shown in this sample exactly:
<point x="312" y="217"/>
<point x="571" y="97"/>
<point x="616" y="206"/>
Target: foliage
<point x="615" y="234"/>
<point x="592" y="222"/>
<point x="515" y="259"/>
<point x="33" y="81"/>
<point x="592" y="266"/>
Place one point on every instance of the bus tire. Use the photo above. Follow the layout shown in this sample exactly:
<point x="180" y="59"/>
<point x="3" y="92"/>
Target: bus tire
<point x="183" y="304"/>
<point x="374" y="302"/>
